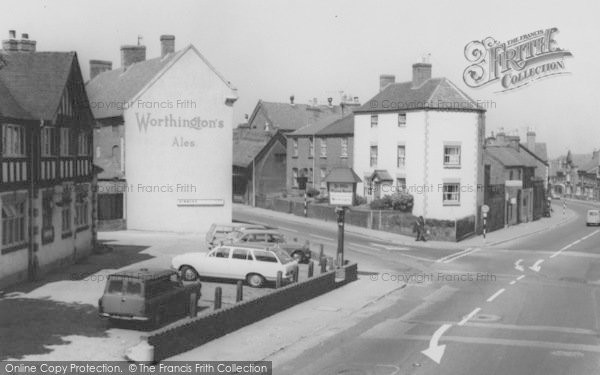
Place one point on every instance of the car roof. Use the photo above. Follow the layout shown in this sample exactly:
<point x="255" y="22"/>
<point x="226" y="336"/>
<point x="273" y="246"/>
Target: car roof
<point x="248" y="246"/>
<point x="144" y="273"/>
<point x="260" y="230"/>
<point x="594" y="210"/>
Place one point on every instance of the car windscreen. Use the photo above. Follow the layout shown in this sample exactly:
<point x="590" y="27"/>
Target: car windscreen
<point x="283" y="256"/>
<point x="235" y="235"/>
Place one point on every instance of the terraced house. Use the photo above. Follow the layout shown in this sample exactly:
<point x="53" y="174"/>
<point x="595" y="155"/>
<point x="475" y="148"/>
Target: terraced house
<point x="46" y="172"/>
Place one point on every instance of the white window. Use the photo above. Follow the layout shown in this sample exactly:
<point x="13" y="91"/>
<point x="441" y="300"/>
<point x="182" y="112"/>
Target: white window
<point x="48" y="141"/>
<point x="400" y="184"/>
<point x="323" y="174"/>
<point x="13" y="224"/>
<point x="451" y="193"/>
<point x="66" y="219"/>
<point x="13" y="140"/>
<point x="401" y="120"/>
<point x="311" y="148"/>
<point x="344" y="147"/>
<point x="401" y="156"/>
<point x="452" y="156"/>
<point x="373" y="154"/>
<point x="65" y="142"/>
<point x="374" y="120"/>
<point x="83" y="144"/>
<point x="295" y="147"/>
<point x="295" y="177"/>
<point x="81" y="214"/>
<point x="323" y="148"/>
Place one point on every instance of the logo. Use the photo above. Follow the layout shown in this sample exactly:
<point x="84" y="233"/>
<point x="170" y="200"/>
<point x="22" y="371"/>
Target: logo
<point x="515" y="63"/>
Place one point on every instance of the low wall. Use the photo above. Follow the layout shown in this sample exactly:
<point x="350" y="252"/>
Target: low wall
<point x="191" y="334"/>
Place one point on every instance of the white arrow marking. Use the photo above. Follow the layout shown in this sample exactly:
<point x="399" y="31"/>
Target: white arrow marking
<point x="518" y="265"/>
<point x="436" y="351"/>
<point x="536" y="266"/>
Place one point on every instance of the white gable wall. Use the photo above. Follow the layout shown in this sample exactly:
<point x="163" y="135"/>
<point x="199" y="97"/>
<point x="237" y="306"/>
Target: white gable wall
<point x="159" y="158"/>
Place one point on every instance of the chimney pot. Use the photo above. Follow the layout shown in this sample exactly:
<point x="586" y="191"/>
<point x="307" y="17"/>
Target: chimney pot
<point x="24" y="36"/>
<point x="167" y="43"/>
<point x="131" y="54"/>
<point x="98" y="67"/>
<point x="12" y="34"/>
<point x="385" y="80"/>
<point x="421" y="73"/>
<point x="531" y="140"/>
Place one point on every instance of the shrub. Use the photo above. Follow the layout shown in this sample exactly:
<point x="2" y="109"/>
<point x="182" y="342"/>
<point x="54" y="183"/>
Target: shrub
<point x="402" y="202"/>
<point x="359" y="200"/>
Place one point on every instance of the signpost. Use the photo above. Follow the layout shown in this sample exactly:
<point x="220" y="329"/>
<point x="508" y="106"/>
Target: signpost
<point x="484" y="211"/>
<point x="302" y="186"/>
<point x="341" y="186"/>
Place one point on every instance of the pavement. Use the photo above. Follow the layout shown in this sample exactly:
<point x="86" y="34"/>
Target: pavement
<point x="494" y="238"/>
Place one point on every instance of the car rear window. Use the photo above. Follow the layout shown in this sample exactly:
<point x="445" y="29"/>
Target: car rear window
<point x="240" y="254"/>
<point x="115" y="286"/>
<point x="133" y="287"/>
<point x="283" y="256"/>
<point x="264" y="256"/>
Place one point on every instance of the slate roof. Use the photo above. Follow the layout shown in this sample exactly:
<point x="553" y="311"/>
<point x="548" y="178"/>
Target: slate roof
<point x="541" y="151"/>
<point x="591" y="165"/>
<point x="108" y="91"/>
<point x="343" y="126"/>
<point x="247" y="146"/>
<point x="342" y="175"/>
<point x="32" y="83"/>
<point x="510" y="157"/>
<point x="435" y="93"/>
<point x="286" y="116"/>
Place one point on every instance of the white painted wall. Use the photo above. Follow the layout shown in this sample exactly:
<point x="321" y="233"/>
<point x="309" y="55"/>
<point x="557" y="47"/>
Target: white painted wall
<point x="423" y="136"/>
<point x="153" y="159"/>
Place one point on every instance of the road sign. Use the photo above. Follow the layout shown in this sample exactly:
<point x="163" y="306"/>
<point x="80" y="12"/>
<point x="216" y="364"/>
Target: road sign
<point x="341" y="193"/>
<point x="485" y="209"/>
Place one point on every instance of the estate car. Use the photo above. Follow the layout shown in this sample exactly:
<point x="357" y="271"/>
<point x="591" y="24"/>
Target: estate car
<point x="269" y="237"/>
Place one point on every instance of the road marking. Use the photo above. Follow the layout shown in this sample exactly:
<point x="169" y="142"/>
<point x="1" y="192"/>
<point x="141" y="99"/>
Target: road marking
<point x="518" y="265"/>
<point x="452" y="255"/>
<point x="513" y="282"/>
<point x="495" y="295"/>
<point x="574" y="243"/>
<point x="462" y="255"/>
<point x="468" y="317"/>
<point x="435" y="351"/>
<point x="321" y="237"/>
<point x="390" y="248"/>
<point x="536" y="265"/>
<point x="520" y="277"/>
<point x="458" y="255"/>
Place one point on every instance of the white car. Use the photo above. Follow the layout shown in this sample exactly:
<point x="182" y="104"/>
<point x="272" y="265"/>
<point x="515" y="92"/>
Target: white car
<point x="593" y="217"/>
<point x="255" y="265"/>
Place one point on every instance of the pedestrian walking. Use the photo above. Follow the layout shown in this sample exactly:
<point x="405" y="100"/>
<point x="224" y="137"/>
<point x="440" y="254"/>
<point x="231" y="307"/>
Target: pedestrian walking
<point x="419" y="228"/>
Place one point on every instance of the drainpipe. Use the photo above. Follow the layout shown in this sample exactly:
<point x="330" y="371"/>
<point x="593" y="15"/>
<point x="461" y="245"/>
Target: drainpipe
<point x="32" y="257"/>
<point x="254" y="182"/>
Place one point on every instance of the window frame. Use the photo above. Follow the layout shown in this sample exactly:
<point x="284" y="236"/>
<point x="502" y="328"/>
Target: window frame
<point x="374" y="121"/>
<point x="451" y="202"/>
<point x="294" y="147"/>
<point x="323" y="147"/>
<point x="16" y="146"/>
<point x="398" y="164"/>
<point x="376" y="157"/>
<point x="401" y="123"/>
<point x="448" y="163"/>
<point x="344" y="142"/>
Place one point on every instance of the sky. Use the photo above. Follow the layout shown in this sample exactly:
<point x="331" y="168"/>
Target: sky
<point x="272" y="49"/>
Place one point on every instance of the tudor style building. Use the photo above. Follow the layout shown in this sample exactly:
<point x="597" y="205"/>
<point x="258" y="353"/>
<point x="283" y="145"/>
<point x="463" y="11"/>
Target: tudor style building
<point x="46" y="172"/>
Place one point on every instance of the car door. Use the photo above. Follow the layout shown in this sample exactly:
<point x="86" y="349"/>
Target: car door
<point x="266" y="264"/>
<point x="241" y="263"/>
<point x="217" y="263"/>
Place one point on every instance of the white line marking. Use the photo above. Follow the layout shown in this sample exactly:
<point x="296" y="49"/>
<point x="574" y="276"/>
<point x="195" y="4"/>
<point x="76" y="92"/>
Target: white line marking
<point x="574" y="243"/>
<point x="520" y="277"/>
<point x="468" y="317"/>
<point x="321" y="237"/>
<point x="493" y="297"/>
<point x="453" y="255"/>
<point x="461" y="255"/>
<point x="513" y="282"/>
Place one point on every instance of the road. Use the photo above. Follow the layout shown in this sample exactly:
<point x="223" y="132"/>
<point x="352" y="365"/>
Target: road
<point x="531" y="306"/>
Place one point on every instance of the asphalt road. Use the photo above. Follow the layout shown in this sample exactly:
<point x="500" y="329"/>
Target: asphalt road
<point x="527" y="307"/>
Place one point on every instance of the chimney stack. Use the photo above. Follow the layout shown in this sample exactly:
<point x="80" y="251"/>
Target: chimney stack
<point x="98" y="67"/>
<point x="385" y="80"/>
<point x="25" y="44"/>
<point x="12" y="44"/>
<point x="291" y="99"/>
<point x="167" y="44"/>
<point x="131" y="54"/>
<point x="531" y="140"/>
<point x="421" y="73"/>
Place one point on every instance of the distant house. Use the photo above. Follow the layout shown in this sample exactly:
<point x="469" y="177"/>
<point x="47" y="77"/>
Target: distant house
<point x="509" y="164"/>
<point x="572" y="175"/>
<point x="425" y="136"/>
<point x="164" y="139"/>
<point x="314" y="150"/>
<point x="259" y="165"/>
<point x="588" y="186"/>
<point x="47" y="189"/>
<point x="540" y="152"/>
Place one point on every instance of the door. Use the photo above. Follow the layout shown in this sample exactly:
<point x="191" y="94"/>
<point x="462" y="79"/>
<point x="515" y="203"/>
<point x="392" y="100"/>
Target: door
<point x="218" y="263"/>
<point x="241" y="263"/>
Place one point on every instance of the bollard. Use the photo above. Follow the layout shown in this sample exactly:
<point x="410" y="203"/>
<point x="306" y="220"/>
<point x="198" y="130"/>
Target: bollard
<point x="278" y="280"/>
<point x="218" y="297"/>
<point x="323" y="266"/>
<point x="311" y="266"/>
<point x="321" y="252"/>
<point x="193" y="304"/>
<point x="296" y="272"/>
<point x="239" y="296"/>
<point x="330" y="263"/>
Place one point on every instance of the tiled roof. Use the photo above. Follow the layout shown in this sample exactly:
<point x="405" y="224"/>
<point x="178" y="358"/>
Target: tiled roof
<point x="246" y="146"/>
<point x="293" y="117"/>
<point x="591" y="165"/>
<point x="541" y="151"/>
<point x="435" y="93"/>
<point x="35" y="81"/>
<point x="343" y="126"/>
<point x="110" y="91"/>
<point x="342" y="175"/>
<point x="510" y="157"/>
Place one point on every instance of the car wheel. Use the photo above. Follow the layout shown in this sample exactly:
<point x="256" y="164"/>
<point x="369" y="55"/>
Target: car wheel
<point x="255" y="280"/>
<point x="188" y="273"/>
<point x="298" y="256"/>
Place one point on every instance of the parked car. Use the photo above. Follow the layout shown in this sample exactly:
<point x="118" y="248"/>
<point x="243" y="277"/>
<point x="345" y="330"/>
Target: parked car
<point x="269" y="237"/>
<point x="593" y="217"/>
<point x="254" y="264"/>
<point x="147" y="295"/>
<point x="219" y="232"/>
